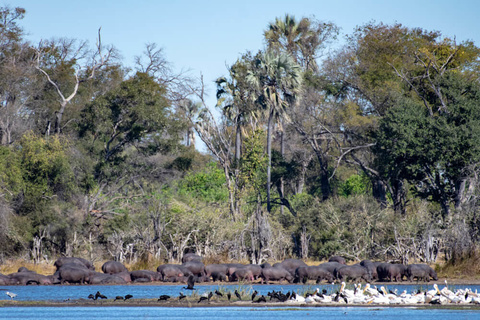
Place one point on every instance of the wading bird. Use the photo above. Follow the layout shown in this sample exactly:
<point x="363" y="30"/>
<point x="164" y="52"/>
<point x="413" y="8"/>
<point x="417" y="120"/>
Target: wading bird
<point x="11" y="294"/>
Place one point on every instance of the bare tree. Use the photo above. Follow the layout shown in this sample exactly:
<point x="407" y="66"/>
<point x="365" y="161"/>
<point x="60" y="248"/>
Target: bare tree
<point x="17" y="83"/>
<point x="75" y="54"/>
<point x="218" y="139"/>
<point x="153" y="62"/>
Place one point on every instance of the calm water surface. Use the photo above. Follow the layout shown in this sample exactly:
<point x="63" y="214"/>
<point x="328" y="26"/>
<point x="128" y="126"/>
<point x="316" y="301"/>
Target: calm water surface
<point x="275" y="313"/>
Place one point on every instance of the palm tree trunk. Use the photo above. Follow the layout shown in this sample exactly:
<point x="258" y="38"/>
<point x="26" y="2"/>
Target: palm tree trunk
<point x="282" y="152"/>
<point x="238" y="145"/>
<point x="269" y="154"/>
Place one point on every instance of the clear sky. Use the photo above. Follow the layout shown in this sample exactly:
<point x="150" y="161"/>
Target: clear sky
<point x="205" y="36"/>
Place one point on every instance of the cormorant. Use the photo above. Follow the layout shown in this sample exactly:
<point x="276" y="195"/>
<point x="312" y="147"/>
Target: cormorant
<point x="181" y="296"/>
<point x="190" y="283"/>
<point x="218" y="293"/>
<point x="128" y="296"/>
<point x="238" y="294"/>
<point x="118" y="298"/>
<point x="229" y="295"/>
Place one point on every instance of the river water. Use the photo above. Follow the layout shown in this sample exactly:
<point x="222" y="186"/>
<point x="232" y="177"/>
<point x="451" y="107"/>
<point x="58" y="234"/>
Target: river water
<point x="69" y="293"/>
<point x="274" y="313"/>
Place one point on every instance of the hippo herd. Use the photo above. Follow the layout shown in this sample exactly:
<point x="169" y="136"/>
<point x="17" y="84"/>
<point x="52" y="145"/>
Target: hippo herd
<point x="72" y="270"/>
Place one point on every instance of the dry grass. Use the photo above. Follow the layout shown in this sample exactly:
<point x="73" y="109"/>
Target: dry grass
<point x="466" y="267"/>
<point x="11" y="266"/>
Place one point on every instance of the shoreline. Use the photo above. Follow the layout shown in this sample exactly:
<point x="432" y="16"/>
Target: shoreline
<point x="220" y="304"/>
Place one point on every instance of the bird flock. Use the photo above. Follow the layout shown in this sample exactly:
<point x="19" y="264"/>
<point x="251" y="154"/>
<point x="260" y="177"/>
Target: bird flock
<point x="359" y="295"/>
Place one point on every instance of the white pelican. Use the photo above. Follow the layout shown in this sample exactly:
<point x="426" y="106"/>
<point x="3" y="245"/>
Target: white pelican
<point x="299" y="298"/>
<point x="346" y="292"/>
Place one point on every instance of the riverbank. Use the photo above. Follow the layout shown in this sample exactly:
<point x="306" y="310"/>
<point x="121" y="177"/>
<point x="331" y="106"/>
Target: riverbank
<point x="185" y="303"/>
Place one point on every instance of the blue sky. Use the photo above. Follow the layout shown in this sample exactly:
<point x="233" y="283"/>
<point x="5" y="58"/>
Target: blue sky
<point x="205" y="36"/>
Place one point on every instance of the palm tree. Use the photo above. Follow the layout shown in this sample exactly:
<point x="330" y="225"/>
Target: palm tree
<point x="234" y="97"/>
<point x="278" y="79"/>
<point x="302" y="39"/>
<point x="191" y="109"/>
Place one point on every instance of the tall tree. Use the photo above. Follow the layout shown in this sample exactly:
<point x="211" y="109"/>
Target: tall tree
<point x="303" y="39"/>
<point x="382" y="65"/>
<point x="278" y="79"/>
<point x="130" y="115"/>
<point x="437" y="153"/>
<point x="236" y="100"/>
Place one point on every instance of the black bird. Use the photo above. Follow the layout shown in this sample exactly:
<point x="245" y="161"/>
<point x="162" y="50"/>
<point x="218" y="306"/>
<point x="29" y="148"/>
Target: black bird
<point x="118" y="298"/>
<point x="128" y="296"/>
<point x="229" y="295"/>
<point x="99" y="295"/>
<point x="324" y="291"/>
<point x="337" y="297"/>
<point x="294" y="295"/>
<point x="201" y="299"/>
<point x="261" y="299"/>
<point x="271" y="294"/>
<point x="210" y="295"/>
<point x="190" y="283"/>
<point x="181" y="296"/>
<point x="218" y="293"/>
<point x="91" y="296"/>
<point x="163" y="297"/>
<point x="254" y="294"/>
<point x="238" y="295"/>
<point x="282" y="297"/>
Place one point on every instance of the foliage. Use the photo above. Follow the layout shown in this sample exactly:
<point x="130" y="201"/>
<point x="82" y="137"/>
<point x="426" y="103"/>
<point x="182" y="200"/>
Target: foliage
<point x="11" y="179"/>
<point x="433" y="152"/>
<point x="207" y="185"/>
<point x="354" y="185"/>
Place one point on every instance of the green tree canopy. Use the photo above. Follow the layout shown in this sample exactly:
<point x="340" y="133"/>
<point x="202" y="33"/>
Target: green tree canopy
<point x="436" y="153"/>
<point x="135" y="112"/>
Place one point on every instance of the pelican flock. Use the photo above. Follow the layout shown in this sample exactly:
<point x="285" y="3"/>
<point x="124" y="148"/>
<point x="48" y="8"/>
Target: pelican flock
<point x="379" y="296"/>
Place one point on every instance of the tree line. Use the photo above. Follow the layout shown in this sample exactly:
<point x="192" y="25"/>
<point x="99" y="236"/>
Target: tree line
<point x="367" y="151"/>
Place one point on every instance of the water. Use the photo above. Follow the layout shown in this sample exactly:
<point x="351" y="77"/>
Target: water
<point x="274" y="313"/>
